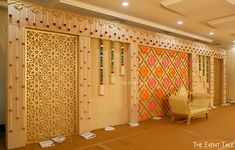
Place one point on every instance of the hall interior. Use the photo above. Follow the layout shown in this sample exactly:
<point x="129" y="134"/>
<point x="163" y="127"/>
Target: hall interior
<point x="71" y="67"/>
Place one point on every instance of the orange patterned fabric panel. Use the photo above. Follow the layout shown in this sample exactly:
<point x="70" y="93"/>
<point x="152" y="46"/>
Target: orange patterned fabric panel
<point x="161" y="72"/>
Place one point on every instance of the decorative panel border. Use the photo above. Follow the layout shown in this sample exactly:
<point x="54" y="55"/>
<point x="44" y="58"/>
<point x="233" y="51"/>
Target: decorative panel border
<point x="84" y="84"/>
<point x="133" y="82"/>
<point x="16" y="106"/>
<point x="194" y="71"/>
<point x="212" y="80"/>
<point x="23" y="13"/>
<point x="224" y="79"/>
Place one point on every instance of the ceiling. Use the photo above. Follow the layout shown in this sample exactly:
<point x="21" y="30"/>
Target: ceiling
<point x="199" y="16"/>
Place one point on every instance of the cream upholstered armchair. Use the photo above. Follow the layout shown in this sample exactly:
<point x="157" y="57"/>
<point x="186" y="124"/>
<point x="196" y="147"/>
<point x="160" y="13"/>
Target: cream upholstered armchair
<point x="181" y="105"/>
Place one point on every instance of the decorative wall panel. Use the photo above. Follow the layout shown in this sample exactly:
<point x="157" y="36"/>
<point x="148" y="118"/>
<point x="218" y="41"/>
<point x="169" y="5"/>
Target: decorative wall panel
<point x="230" y="75"/>
<point x="202" y="78"/>
<point x="212" y="80"/>
<point x="133" y="85"/>
<point x="16" y="108"/>
<point x="112" y="108"/>
<point x="84" y="84"/>
<point x="22" y="15"/>
<point x="224" y="81"/>
<point x="201" y="74"/>
<point x="36" y="16"/>
<point x="161" y="72"/>
<point x="51" y="84"/>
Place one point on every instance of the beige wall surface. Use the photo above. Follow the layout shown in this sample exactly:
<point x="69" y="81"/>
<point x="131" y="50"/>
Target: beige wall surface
<point x="218" y="78"/>
<point x="231" y="75"/>
<point x="112" y="108"/>
<point x="3" y="60"/>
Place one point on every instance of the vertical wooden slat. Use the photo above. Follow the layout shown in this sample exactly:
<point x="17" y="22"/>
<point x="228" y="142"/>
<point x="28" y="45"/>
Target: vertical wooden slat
<point x="133" y="83"/>
<point x="84" y="90"/>
<point x="23" y="84"/>
<point x="212" y="86"/>
<point x="17" y="72"/>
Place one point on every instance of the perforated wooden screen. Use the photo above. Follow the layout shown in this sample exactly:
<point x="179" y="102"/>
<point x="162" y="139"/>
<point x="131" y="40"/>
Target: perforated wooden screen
<point x="51" y="84"/>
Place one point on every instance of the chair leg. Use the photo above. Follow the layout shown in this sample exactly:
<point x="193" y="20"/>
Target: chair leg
<point x="207" y="116"/>
<point x="172" y="118"/>
<point x="188" y="120"/>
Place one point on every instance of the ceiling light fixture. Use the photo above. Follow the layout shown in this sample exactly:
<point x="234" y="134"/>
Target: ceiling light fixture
<point x="125" y="4"/>
<point x="211" y="33"/>
<point x="234" y="41"/>
<point x="179" y="22"/>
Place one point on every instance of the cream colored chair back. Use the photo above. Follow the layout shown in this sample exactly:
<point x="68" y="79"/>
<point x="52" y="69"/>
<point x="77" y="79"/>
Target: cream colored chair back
<point x="183" y="91"/>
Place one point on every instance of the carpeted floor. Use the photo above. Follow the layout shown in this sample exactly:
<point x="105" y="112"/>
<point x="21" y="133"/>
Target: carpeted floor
<point x="161" y="135"/>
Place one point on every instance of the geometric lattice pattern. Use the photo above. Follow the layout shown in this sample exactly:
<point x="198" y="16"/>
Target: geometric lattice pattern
<point x="51" y="93"/>
<point x="161" y="72"/>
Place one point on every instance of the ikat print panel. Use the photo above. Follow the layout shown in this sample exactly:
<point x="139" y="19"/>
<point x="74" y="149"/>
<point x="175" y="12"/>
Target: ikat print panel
<point x="161" y="72"/>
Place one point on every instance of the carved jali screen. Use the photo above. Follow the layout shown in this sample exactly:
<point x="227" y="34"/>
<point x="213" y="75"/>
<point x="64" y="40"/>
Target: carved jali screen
<point x="51" y="84"/>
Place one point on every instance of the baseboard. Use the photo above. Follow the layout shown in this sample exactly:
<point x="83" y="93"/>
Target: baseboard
<point x="2" y="127"/>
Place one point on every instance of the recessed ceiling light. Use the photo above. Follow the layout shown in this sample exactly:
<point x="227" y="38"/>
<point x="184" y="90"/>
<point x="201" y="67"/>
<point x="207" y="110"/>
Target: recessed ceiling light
<point x="179" y="22"/>
<point x="234" y="41"/>
<point x="125" y="4"/>
<point x="211" y="33"/>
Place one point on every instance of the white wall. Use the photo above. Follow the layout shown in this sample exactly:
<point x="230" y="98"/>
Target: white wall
<point x="3" y="60"/>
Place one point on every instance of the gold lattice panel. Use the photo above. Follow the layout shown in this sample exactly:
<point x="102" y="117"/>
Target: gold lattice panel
<point x="51" y="81"/>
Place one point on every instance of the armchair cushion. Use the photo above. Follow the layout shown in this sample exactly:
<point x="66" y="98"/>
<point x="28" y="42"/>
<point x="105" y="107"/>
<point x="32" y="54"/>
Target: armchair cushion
<point x="197" y="110"/>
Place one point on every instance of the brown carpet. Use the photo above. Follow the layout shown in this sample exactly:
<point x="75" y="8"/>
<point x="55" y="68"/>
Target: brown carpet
<point x="159" y="135"/>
